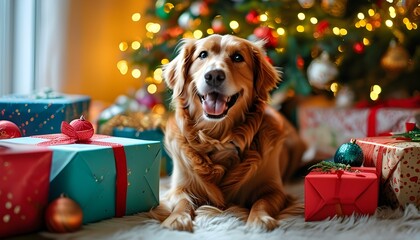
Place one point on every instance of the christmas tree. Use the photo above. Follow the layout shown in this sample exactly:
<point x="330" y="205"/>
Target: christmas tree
<point x="362" y="50"/>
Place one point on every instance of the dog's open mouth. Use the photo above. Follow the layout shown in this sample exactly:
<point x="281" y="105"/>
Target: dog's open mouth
<point x="216" y="105"/>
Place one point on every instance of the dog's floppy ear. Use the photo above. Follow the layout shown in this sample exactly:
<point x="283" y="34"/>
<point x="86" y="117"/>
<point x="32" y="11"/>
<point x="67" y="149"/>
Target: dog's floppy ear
<point x="266" y="76"/>
<point x="175" y="72"/>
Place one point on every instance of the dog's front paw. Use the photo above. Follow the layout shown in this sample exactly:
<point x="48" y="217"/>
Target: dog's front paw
<point x="262" y="221"/>
<point x="181" y="222"/>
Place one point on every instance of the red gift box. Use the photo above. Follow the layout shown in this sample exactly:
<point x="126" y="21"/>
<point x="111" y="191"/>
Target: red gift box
<point x="341" y="193"/>
<point x="398" y="166"/>
<point x="24" y="184"/>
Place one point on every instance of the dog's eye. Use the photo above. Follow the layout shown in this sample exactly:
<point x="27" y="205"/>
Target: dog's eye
<point x="237" y="57"/>
<point x="203" y="54"/>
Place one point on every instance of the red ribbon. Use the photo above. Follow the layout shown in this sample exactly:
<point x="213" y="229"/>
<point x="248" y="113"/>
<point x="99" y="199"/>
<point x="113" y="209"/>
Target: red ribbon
<point x="368" y="152"/>
<point x="338" y="206"/>
<point x="337" y="200"/>
<point x="70" y="135"/>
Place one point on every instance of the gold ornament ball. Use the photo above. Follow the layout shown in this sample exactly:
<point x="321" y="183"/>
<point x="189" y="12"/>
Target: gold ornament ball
<point x="396" y="58"/>
<point x="63" y="215"/>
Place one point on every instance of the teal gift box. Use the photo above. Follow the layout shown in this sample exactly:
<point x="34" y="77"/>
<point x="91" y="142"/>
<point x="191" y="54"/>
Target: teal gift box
<point x="150" y="134"/>
<point x="42" y="114"/>
<point x="87" y="173"/>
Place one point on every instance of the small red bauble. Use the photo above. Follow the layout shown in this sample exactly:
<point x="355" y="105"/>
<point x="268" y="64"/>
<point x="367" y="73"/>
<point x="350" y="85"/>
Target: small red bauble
<point x="83" y="128"/>
<point x="81" y="124"/>
<point x="267" y="34"/>
<point x="253" y="17"/>
<point x="321" y="27"/>
<point x="63" y="215"/>
<point x="358" y="48"/>
<point x="8" y="130"/>
<point x="300" y="62"/>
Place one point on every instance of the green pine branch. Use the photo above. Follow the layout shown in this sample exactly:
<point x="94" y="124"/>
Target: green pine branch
<point x="329" y="166"/>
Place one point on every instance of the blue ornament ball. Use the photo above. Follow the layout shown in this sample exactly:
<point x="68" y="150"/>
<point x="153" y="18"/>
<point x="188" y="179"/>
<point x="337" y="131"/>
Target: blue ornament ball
<point x="350" y="154"/>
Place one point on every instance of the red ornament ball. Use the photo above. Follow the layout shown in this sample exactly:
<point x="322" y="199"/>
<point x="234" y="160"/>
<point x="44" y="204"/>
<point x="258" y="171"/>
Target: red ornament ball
<point x="83" y="128"/>
<point x="217" y="25"/>
<point x="321" y="28"/>
<point x="358" y="48"/>
<point x="81" y="124"/>
<point x="253" y="17"/>
<point x="267" y="34"/>
<point x="9" y="129"/>
<point x="300" y="62"/>
<point x="63" y="215"/>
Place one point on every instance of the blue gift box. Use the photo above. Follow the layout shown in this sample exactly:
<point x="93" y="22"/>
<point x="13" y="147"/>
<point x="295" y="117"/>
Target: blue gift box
<point x="35" y="115"/>
<point x="87" y="173"/>
<point x="150" y="134"/>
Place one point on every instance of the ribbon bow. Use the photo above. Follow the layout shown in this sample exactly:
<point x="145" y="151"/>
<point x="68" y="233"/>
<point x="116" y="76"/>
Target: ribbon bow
<point x="78" y="130"/>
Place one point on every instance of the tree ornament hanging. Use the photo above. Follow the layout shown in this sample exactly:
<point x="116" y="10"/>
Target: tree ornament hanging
<point x="415" y="14"/>
<point x="336" y="8"/>
<point x="186" y="20"/>
<point x="350" y="154"/>
<point x="63" y="215"/>
<point x="300" y="62"/>
<point x="358" y="48"/>
<point x="344" y="97"/>
<point x="9" y="129"/>
<point x="321" y="28"/>
<point x="163" y="9"/>
<point x="217" y="24"/>
<point x="306" y="3"/>
<point x="266" y="33"/>
<point x="199" y="9"/>
<point x="396" y="59"/>
<point x="411" y="9"/>
<point x="321" y="71"/>
<point x="253" y="17"/>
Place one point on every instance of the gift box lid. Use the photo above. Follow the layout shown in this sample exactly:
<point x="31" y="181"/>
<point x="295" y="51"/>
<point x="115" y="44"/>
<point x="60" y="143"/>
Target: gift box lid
<point x="67" y="151"/>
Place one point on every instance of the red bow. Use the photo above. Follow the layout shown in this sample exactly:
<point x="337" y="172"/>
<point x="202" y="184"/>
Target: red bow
<point x="69" y="135"/>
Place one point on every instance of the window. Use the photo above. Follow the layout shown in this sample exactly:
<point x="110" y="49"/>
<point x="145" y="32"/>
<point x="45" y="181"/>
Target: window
<point x="18" y="46"/>
<point x="5" y="49"/>
<point x="29" y="46"/>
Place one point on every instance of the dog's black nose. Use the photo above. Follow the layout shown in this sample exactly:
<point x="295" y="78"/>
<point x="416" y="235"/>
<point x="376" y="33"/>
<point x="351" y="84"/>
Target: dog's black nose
<point x="215" y="78"/>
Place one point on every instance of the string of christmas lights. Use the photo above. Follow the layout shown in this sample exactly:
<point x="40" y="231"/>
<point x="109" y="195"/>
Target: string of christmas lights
<point x="298" y="34"/>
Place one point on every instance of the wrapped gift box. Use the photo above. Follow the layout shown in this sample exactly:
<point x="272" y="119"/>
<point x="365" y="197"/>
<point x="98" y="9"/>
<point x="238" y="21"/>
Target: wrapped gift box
<point x="36" y="115"/>
<point x="107" y="177"/>
<point x="324" y="129"/>
<point x="398" y="165"/>
<point x="24" y="184"/>
<point x="151" y="134"/>
<point x="331" y="194"/>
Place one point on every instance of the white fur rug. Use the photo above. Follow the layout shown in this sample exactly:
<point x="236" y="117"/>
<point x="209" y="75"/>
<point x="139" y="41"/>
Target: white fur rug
<point x="385" y="224"/>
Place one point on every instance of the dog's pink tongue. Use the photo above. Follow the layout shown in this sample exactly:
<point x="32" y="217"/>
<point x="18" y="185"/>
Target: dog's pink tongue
<point x="214" y="104"/>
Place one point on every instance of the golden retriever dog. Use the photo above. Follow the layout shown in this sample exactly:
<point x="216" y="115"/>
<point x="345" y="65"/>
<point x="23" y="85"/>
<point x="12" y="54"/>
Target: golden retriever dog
<point x="230" y="150"/>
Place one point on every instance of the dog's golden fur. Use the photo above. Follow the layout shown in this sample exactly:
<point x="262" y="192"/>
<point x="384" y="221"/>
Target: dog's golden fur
<point x="230" y="150"/>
